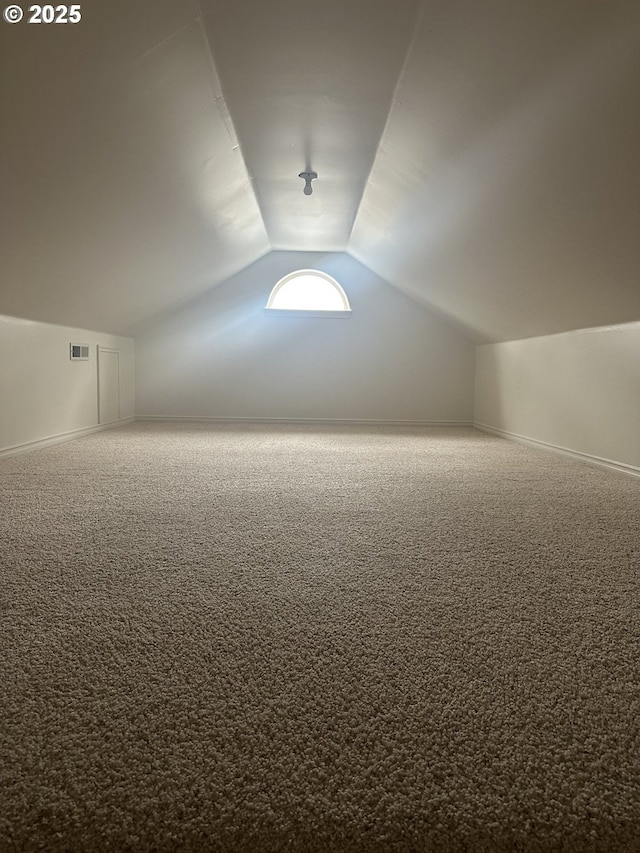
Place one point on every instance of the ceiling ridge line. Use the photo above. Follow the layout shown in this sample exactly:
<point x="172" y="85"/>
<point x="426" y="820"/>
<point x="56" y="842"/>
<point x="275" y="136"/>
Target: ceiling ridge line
<point x="227" y="119"/>
<point x="412" y="41"/>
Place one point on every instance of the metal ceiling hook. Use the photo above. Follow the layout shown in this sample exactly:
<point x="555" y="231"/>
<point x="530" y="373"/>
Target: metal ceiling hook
<point x="307" y="178"/>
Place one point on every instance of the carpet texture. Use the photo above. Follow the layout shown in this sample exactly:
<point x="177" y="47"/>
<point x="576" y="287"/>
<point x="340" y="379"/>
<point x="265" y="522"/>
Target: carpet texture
<point x="269" y="638"/>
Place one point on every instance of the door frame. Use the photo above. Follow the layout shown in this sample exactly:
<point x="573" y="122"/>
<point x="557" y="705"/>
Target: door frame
<point x="100" y="349"/>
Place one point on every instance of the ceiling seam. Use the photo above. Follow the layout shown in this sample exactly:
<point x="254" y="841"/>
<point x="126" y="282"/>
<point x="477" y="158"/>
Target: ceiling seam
<point x="166" y="39"/>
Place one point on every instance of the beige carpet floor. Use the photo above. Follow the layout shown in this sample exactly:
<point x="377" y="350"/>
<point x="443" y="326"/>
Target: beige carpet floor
<point x="268" y="638"/>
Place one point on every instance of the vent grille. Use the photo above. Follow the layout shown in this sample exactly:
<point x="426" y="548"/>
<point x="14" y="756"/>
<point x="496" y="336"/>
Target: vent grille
<point x="79" y="352"/>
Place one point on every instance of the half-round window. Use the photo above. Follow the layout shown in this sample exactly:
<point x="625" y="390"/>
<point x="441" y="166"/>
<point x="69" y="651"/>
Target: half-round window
<point x="309" y="292"/>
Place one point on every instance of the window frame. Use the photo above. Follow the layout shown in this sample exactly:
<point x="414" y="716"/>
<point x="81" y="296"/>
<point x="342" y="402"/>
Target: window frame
<point x="334" y="314"/>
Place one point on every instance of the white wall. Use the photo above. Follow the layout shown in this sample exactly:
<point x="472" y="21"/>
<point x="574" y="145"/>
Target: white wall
<point x="43" y="394"/>
<point x="578" y="391"/>
<point x="222" y="356"/>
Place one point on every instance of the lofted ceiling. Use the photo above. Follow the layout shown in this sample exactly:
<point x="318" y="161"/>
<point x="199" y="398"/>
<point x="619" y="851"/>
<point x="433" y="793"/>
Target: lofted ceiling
<point x="480" y="155"/>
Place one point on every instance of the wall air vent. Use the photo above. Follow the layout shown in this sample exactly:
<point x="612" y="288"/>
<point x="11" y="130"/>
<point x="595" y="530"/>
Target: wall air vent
<point x="79" y="352"/>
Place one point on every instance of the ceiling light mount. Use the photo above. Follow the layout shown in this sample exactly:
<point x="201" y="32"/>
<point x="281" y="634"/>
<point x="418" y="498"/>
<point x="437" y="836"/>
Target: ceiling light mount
<point x="307" y="177"/>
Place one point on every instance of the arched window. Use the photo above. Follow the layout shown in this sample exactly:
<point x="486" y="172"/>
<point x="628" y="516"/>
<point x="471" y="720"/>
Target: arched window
<point x="309" y="293"/>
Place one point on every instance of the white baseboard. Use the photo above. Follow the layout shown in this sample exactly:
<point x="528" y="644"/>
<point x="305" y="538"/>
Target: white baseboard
<point x="589" y="458"/>
<point x="29" y="446"/>
<point x="324" y="421"/>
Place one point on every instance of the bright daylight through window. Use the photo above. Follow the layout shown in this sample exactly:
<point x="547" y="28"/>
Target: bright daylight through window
<point x="309" y="292"/>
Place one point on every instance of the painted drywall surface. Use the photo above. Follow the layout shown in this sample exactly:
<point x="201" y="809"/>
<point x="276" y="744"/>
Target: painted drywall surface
<point x="223" y="356"/>
<point x="43" y="393"/>
<point x="578" y="390"/>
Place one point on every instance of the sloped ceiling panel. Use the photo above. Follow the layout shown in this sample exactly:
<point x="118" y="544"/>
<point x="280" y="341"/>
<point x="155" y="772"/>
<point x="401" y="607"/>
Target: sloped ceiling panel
<point x="152" y="151"/>
<point x="505" y="189"/>
<point x="124" y="189"/>
<point x="309" y="86"/>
